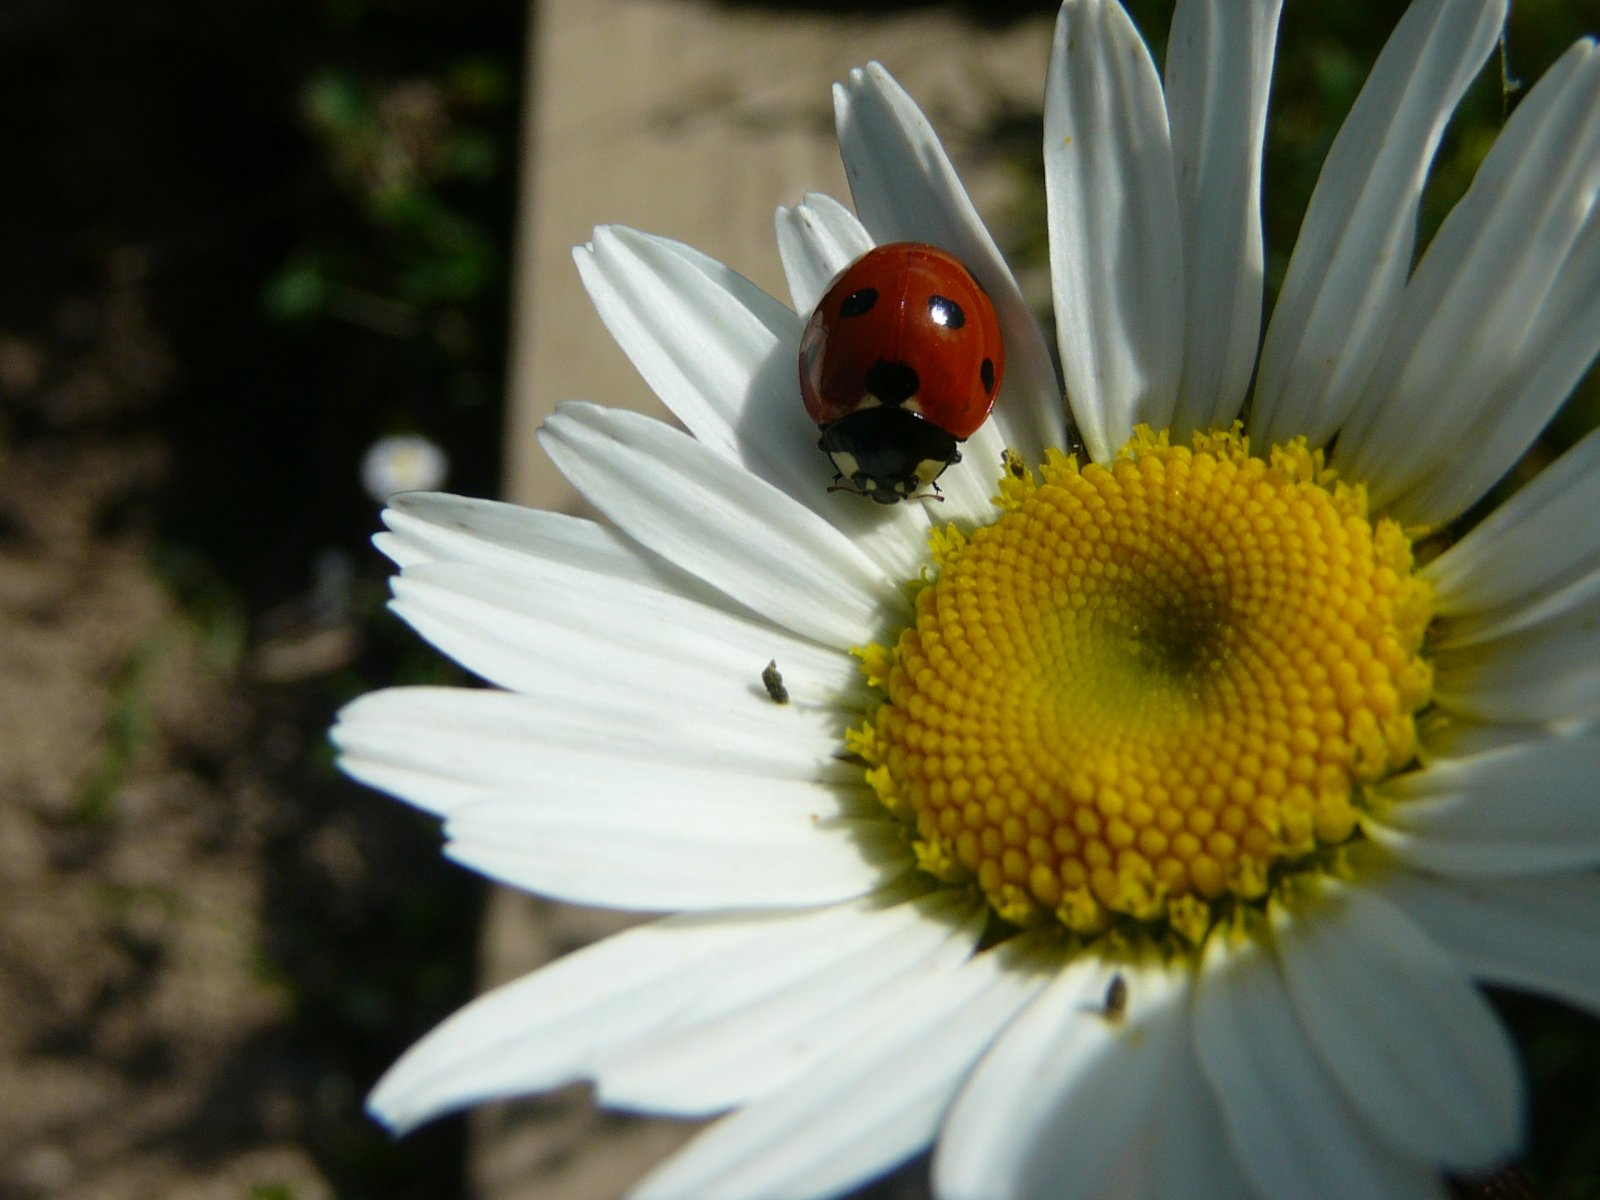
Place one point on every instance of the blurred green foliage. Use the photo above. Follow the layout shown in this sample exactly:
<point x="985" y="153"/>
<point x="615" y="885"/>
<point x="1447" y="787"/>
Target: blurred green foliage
<point x="402" y="152"/>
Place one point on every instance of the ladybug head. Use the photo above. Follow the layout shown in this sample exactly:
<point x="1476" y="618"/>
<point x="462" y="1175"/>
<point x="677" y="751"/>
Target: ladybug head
<point x="887" y="453"/>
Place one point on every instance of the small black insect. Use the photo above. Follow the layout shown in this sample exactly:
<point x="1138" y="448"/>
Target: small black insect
<point x="1116" y="1006"/>
<point x="772" y="680"/>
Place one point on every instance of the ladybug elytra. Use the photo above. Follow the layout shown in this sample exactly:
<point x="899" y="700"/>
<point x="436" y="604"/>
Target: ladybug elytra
<point x="899" y="364"/>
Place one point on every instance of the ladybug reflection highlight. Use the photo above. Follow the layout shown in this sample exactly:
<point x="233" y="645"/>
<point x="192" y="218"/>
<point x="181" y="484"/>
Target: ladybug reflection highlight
<point x="899" y="364"/>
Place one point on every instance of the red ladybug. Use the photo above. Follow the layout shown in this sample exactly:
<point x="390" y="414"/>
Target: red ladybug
<point x="899" y="364"/>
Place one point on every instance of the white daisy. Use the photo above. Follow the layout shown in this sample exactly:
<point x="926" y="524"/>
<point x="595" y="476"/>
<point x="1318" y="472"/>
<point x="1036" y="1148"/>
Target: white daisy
<point x="1159" y="846"/>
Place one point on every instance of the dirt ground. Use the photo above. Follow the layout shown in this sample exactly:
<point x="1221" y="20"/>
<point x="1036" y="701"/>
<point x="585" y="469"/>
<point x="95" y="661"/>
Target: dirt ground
<point x="181" y="874"/>
<point x="210" y="943"/>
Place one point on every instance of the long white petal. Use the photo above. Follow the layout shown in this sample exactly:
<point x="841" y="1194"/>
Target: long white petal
<point x="1191" y="1156"/>
<point x="1053" y="1105"/>
<point x="549" y="1027"/>
<point x="817" y="239"/>
<point x="718" y="350"/>
<point x="732" y="1057"/>
<point x="654" y="840"/>
<point x="737" y="533"/>
<point x="1396" y="1022"/>
<point x="1343" y="287"/>
<point x="439" y="747"/>
<point x="1569" y="337"/>
<point x="1538" y="934"/>
<point x="428" y="527"/>
<point x="1116" y="259"/>
<point x="1444" y="735"/>
<point x="906" y="190"/>
<point x="1182" y="1152"/>
<point x="1539" y="665"/>
<point x="1288" y="1122"/>
<point x="561" y="633"/>
<point x="1538" y="541"/>
<point x="1490" y="298"/>
<point x="1218" y="76"/>
<point x="1529" y="808"/>
<point x="863" y="1112"/>
<point x="724" y="357"/>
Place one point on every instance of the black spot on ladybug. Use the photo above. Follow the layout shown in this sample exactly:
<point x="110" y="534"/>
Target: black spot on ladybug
<point x="946" y="312"/>
<point x="858" y="303"/>
<point x="986" y="373"/>
<point x="892" y="382"/>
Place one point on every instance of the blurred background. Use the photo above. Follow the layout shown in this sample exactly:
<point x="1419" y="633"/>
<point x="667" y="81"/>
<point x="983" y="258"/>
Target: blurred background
<point x="268" y="259"/>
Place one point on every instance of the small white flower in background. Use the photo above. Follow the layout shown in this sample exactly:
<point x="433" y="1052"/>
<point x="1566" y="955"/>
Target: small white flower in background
<point x="1141" y="832"/>
<point x="403" y="462"/>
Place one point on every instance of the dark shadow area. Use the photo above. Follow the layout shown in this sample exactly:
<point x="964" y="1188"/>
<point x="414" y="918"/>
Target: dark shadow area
<point x="241" y="243"/>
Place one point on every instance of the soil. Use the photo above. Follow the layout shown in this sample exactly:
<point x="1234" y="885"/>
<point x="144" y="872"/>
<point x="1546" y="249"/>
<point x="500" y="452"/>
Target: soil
<point x="210" y="943"/>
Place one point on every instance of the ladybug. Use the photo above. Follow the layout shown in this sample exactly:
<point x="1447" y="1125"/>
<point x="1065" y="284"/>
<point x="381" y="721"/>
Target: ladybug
<point x="899" y="365"/>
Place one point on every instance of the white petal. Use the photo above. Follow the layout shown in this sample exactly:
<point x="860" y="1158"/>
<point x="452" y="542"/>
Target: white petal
<point x="1191" y="1157"/>
<point x="562" y="634"/>
<point x="1539" y="933"/>
<point x="438" y="527"/>
<point x="718" y="350"/>
<point x="737" y="533"/>
<point x="1343" y="286"/>
<point x="1528" y="808"/>
<point x="454" y="744"/>
<point x="428" y="527"/>
<point x="1448" y="411"/>
<point x="817" y="239"/>
<point x="906" y="190"/>
<point x="737" y="1055"/>
<point x="1548" y="671"/>
<point x="1446" y="735"/>
<point x="1291" y="1127"/>
<point x="724" y="357"/>
<point x="1569" y="336"/>
<point x="1182" y="1152"/>
<point x="1116" y="261"/>
<point x="653" y="838"/>
<point x="862" y="1113"/>
<point x="547" y="1028"/>
<point x="1560" y="613"/>
<point x="1416" y="1048"/>
<point x="1218" y="76"/>
<point x="1541" y="539"/>
<point x="1053" y="1105"/>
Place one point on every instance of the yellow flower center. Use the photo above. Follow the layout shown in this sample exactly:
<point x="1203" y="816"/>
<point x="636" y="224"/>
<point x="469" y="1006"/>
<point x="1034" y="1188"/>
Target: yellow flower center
<point x="1151" y="687"/>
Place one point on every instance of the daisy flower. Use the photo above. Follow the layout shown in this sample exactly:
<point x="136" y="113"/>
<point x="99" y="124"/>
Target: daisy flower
<point x="1141" y="820"/>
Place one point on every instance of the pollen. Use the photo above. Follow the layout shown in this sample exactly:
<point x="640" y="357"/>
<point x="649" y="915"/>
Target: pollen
<point x="1152" y="688"/>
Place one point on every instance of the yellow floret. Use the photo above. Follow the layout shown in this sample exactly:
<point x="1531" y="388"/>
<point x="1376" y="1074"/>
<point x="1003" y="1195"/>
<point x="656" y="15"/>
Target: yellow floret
<point x="1151" y="686"/>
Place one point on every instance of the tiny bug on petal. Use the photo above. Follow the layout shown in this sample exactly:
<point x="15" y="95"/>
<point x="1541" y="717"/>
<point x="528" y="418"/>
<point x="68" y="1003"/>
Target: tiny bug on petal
<point x="1116" y="1005"/>
<point x="772" y="680"/>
